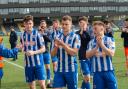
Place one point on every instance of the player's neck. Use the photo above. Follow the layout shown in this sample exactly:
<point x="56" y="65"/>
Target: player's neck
<point x="66" y="33"/>
<point x="29" y="31"/>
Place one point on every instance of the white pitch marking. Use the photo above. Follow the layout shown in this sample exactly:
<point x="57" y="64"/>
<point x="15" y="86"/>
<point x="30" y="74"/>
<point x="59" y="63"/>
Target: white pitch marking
<point x="14" y="64"/>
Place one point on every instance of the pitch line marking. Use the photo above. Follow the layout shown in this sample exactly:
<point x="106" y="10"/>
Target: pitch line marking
<point x="21" y="67"/>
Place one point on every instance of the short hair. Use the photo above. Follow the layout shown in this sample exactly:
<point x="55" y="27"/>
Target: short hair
<point x="67" y="17"/>
<point x="100" y="23"/>
<point x="43" y="21"/>
<point x="56" y="20"/>
<point x="11" y="27"/>
<point x="27" y="18"/>
<point x="83" y="18"/>
<point x="126" y="19"/>
<point x="106" y="22"/>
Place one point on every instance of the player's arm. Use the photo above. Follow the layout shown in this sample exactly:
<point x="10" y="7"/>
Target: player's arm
<point x="8" y="53"/>
<point x="108" y="51"/>
<point x="69" y="50"/>
<point x="55" y="49"/>
<point x="41" y="50"/>
<point x="72" y="50"/>
<point x="40" y="44"/>
<point x="91" y="52"/>
<point x="31" y="53"/>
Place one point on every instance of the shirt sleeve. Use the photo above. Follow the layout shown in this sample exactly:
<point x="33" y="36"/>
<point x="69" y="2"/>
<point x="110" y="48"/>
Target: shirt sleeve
<point x="112" y="44"/>
<point x="40" y="40"/>
<point x="8" y="53"/>
<point x="77" y="42"/>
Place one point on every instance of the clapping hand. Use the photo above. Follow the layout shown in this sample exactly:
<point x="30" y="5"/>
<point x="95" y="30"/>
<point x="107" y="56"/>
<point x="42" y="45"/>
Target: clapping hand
<point x="99" y="39"/>
<point x="30" y="53"/>
<point x="59" y="42"/>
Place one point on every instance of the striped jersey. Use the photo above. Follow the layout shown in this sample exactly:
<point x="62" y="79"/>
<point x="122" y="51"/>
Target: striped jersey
<point x="101" y="62"/>
<point x="33" y="41"/>
<point x="53" y="35"/>
<point x="66" y="62"/>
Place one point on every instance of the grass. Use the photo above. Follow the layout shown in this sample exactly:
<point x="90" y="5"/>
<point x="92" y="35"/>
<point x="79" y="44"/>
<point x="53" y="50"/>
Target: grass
<point x="14" y="77"/>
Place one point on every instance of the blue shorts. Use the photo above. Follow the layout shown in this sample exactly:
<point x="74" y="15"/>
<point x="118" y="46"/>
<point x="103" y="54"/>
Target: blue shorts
<point x="85" y="67"/>
<point x="54" y="59"/>
<point x="69" y="79"/>
<point x="1" y="73"/>
<point x="104" y="80"/>
<point x="35" y="73"/>
<point x="46" y="57"/>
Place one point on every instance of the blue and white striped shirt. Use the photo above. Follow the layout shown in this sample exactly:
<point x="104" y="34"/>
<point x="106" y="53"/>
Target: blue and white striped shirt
<point x="66" y="62"/>
<point x="33" y="41"/>
<point x="100" y="61"/>
<point x="54" y="34"/>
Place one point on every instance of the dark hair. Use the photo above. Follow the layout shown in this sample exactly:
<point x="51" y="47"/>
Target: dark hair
<point x="43" y="21"/>
<point x="83" y="18"/>
<point x="106" y="22"/>
<point x="126" y="19"/>
<point x="67" y="17"/>
<point x="11" y="27"/>
<point x="100" y="23"/>
<point x="27" y="18"/>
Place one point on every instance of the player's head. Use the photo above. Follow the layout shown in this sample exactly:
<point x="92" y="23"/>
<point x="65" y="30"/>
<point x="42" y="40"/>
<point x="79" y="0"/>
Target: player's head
<point x="43" y="24"/>
<point x="55" y="23"/>
<point x="12" y="28"/>
<point x="126" y="22"/>
<point x="83" y="22"/>
<point x="107" y="24"/>
<point x="28" y="22"/>
<point x="98" y="28"/>
<point x="66" y="23"/>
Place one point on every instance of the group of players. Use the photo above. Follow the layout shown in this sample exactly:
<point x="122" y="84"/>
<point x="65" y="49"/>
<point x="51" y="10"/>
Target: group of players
<point x="94" y="53"/>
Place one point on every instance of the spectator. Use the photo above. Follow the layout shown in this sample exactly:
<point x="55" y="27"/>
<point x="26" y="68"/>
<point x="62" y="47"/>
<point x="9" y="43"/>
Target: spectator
<point x="13" y="40"/>
<point x="124" y="35"/>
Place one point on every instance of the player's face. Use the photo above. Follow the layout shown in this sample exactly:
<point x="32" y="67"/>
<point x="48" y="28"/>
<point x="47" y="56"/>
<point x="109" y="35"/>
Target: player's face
<point x="83" y="24"/>
<point x="126" y="23"/>
<point x="98" y="30"/>
<point x="66" y="25"/>
<point x="55" y="24"/>
<point x="28" y="25"/>
<point x="108" y="25"/>
<point x="43" y="25"/>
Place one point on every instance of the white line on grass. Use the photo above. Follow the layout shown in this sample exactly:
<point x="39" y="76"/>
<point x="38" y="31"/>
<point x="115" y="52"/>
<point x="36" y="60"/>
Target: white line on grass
<point x="21" y="67"/>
